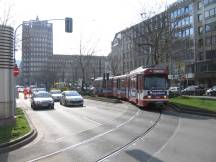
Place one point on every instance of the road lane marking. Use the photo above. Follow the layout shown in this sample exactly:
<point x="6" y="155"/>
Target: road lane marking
<point x="85" y="141"/>
<point x="167" y="142"/>
<point x="91" y="120"/>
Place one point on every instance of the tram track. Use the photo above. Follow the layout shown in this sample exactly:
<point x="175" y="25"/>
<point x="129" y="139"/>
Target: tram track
<point x="115" y="152"/>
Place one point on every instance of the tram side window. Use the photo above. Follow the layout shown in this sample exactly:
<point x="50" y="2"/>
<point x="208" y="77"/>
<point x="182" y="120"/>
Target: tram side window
<point x="118" y="83"/>
<point x="122" y="83"/>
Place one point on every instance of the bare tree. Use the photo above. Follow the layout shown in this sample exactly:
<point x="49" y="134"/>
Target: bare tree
<point x="84" y="60"/>
<point x="5" y="13"/>
<point x="157" y="36"/>
<point x="114" y="64"/>
<point x="48" y="76"/>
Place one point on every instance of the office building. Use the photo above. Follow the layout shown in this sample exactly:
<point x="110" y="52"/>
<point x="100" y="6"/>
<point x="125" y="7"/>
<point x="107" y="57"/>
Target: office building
<point x="183" y="37"/>
<point x="37" y="47"/>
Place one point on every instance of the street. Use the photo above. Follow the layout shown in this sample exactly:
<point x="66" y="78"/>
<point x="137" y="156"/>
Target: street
<point x="102" y="131"/>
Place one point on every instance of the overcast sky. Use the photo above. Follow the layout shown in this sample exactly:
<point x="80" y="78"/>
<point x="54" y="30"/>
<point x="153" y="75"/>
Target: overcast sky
<point x="95" y="22"/>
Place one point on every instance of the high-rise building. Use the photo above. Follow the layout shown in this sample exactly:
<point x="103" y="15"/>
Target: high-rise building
<point x="37" y="47"/>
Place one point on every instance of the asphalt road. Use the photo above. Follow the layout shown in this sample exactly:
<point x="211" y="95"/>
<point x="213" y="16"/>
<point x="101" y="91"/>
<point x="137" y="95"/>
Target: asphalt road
<point x="102" y="131"/>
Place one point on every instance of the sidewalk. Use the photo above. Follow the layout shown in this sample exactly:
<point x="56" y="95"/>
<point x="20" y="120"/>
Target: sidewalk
<point x="21" y="141"/>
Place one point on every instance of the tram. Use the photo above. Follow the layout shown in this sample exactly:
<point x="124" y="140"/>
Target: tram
<point x="141" y="86"/>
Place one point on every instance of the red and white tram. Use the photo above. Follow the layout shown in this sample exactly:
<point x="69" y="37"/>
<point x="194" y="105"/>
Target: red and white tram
<point x="141" y="86"/>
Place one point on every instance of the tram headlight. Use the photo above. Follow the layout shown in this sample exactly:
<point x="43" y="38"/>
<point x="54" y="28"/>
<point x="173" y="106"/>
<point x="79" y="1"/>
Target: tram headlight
<point x="149" y="96"/>
<point x="165" y="96"/>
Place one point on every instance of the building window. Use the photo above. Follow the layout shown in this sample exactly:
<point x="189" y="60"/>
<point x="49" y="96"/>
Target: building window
<point x="205" y="2"/>
<point x="199" y="6"/>
<point x="214" y="40"/>
<point x="200" y="17"/>
<point x="212" y="12"/>
<point x="200" y="43"/>
<point x="210" y="27"/>
<point x="211" y="54"/>
<point x="206" y="14"/>
<point x="191" y="31"/>
<point x="208" y="41"/>
<point x="200" y="29"/>
<point x="212" y="67"/>
<point x="190" y="8"/>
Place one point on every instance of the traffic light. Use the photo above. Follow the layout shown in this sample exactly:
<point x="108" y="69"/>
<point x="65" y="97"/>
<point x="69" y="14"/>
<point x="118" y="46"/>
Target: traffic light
<point x="68" y="25"/>
<point x="104" y="76"/>
<point x="107" y="76"/>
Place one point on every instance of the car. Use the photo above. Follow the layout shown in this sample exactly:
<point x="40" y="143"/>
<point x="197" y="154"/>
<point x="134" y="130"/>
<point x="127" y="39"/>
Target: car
<point x="193" y="90"/>
<point x="211" y="91"/>
<point x="174" y="91"/>
<point x="34" y="90"/>
<point x="42" y="100"/>
<point x="41" y="89"/>
<point x="56" y="95"/>
<point x="71" y="98"/>
<point x="20" y="88"/>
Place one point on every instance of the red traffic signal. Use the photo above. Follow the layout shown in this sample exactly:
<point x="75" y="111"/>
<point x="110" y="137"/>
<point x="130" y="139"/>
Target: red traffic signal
<point x="15" y="71"/>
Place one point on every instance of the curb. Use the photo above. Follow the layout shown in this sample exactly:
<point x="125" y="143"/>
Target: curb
<point x="189" y="110"/>
<point x="104" y="99"/>
<point x="19" y="142"/>
<point x="202" y="97"/>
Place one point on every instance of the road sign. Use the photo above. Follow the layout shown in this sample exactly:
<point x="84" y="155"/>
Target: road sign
<point x="15" y="71"/>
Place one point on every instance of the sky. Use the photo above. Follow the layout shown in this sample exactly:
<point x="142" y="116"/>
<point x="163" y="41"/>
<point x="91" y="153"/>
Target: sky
<point x="95" y="22"/>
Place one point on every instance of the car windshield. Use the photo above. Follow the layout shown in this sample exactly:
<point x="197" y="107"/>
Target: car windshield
<point x="42" y="95"/>
<point x="214" y="87"/>
<point x="41" y="89"/>
<point x="155" y="82"/>
<point x="72" y="93"/>
<point x="55" y="92"/>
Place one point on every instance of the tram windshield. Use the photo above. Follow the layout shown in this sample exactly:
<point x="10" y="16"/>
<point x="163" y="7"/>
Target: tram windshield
<point x="153" y="82"/>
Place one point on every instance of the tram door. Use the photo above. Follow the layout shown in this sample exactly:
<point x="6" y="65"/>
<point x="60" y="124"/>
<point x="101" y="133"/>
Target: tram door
<point x="139" y="87"/>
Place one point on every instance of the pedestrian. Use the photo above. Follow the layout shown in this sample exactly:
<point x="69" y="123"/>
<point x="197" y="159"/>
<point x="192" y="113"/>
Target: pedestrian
<point x="30" y="92"/>
<point x="25" y="91"/>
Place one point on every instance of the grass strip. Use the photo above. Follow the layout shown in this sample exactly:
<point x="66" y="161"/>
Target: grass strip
<point x="15" y="131"/>
<point x="196" y="103"/>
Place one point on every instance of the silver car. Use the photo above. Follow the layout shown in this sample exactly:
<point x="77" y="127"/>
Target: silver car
<point x="71" y="98"/>
<point x="56" y="95"/>
<point x="42" y="100"/>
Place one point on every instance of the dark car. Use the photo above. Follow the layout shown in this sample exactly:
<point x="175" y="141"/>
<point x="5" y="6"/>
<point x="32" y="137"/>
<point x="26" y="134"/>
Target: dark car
<point x="211" y="91"/>
<point x="193" y="90"/>
<point x="56" y="95"/>
<point x="42" y="100"/>
<point x="71" y="98"/>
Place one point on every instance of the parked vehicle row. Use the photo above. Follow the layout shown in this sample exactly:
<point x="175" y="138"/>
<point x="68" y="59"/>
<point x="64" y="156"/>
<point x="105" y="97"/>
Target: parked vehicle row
<point x="192" y="90"/>
<point x="211" y="91"/>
